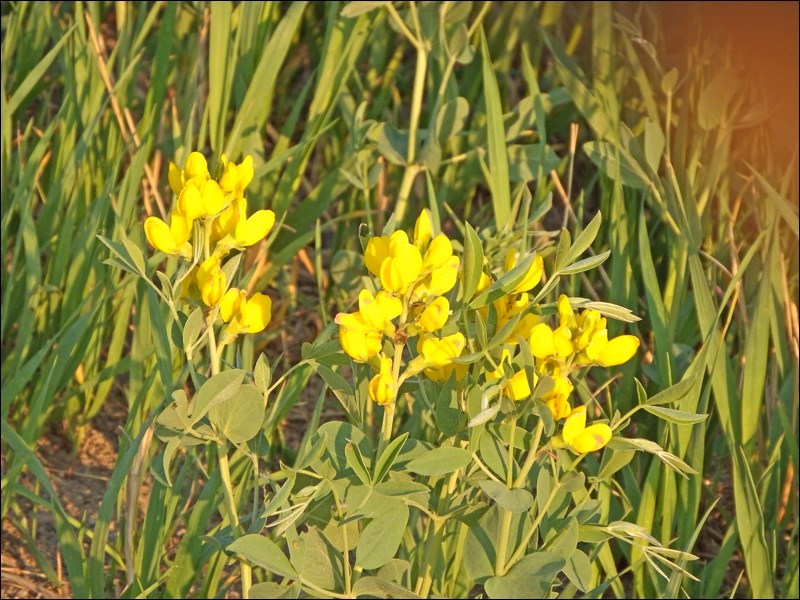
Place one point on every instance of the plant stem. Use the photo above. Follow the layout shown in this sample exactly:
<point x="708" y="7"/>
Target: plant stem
<point x="531" y="458"/>
<point x="233" y="515"/>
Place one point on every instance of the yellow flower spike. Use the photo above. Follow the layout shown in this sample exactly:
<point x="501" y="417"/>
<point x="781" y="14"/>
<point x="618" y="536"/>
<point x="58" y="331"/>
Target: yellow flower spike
<point x="542" y="341"/>
<point x="382" y="389"/>
<point x="582" y="439"/>
<point x="434" y="316"/>
<point x="423" y="230"/>
<point x="532" y="277"/>
<point x="376" y="252"/>
<point x="172" y="238"/>
<point x="253" y="229"/>
<point x="439" y="252"/>
<point x="211" y="281"/>
<point x="357" y="338"/>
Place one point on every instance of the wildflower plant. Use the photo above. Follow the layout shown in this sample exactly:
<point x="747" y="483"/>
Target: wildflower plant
<point x="484" y="481"/>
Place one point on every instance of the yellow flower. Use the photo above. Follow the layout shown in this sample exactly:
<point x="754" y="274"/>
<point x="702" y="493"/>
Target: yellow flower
<point x="423" y="230"/>
<point x="234" y="229"/>
<point x="557" y="399"/>
<point x="581" y="439"/>
<point x="359" y="339"/>
<point x="376" y="252"/>
<point x="210" y="280"/>
<point x="438" y="253"/>
<point x="235" y="178"/>
<point x="403" y="265"/>
<point x="382" y="389"/>
<point x="243" y="314"/>
<point x="542" y="341"/>
<point x="435" y="357"/>
<point x="613" y="352"/>
<point x="201" y="200"/>
<point x="195" y="170"/>
<point x="378" y="311"/>
<point x="434" y="316"/>
<point x="533" y="275"/>
<point x="172" y="238"/>
<point x="517" y="387"/>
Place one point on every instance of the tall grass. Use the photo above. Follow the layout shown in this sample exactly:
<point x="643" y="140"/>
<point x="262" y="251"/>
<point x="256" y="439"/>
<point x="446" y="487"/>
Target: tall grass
<point x="344" y="113"/>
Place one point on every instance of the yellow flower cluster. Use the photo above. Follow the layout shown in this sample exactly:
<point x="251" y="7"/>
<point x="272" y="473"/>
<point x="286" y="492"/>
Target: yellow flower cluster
<point x="211" y="213"/>
<point x="414" y="276"/>
<point x="580" y="340"/>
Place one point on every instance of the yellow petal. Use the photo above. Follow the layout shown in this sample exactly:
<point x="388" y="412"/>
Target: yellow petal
<point x="542" y="343"/>
<point x="391" y="306"/>
<point x="439" y="252"/>
<point x="175" y="178"/>
<point x="382" y="389"/>
<point x="435" y="315"/>
<point x="213" y="198"/>
<point x="229" y="305"/>
<point x="518" y="387"/>
<point x="574" y="425"/>
<point x="256" y="313"/>
<point x="444" y="278"/>
<point x="190" y="202"/>
<point x="196" y="166"/>
<point x="592" y="438"/>
<point x="229" y="179"/>
<point x="376" y="252"/>
<point x="565" y="312"/>
<point x="255" y="228"/>
<point x="532" y="277"/>
<point x="423" y="229"/>
<point x="619" y="350"/>
<point x="159" y="235"/>
<point x="370" y="310"/>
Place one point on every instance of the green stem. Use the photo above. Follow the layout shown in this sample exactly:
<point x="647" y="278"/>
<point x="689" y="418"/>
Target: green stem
<point x="233" y="515"/>
<point x="531" y="458"/>
<point x="504" y="530"/>
<point x="435" y="535"/>
<point x="346" y="543"/>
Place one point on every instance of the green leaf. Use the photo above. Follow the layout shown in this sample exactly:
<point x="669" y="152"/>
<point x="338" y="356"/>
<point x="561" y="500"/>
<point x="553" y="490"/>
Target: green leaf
<point x="356" y="462"/>
<point x="496" y="137"/>
<point x="240" y="417"/>
<point x="473" y="261"/>
<point x="714" y="102"/>
<point x="531" y="577"/>
<point x="392" y="143"/>
<point x="381" y="538"/>
<point x="451" y="118"/>
<point x="654" y="143"/>
<point x="270" y="590"/>
<point x="513" y="500"/>
<point x="612" y="159"/>
<point x="440" y="461"/>
<point x="193" y="327"/>
<point x="586" y="264"/>
<point x="262" y="374"/>
<point x="584" y="240"/>
<point x="263" y="552"/>
<point x="377" y="587"/>
<point x="505" y="284"/>
<point x="313" y="555"/>
<point x="216" y="390"/>
<point x="355" y="9"/>
<point x="678" y="417"/>
<point x="384" y="464"/>
<point x="579" y="570"/>
<point x="525" y="160"/>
